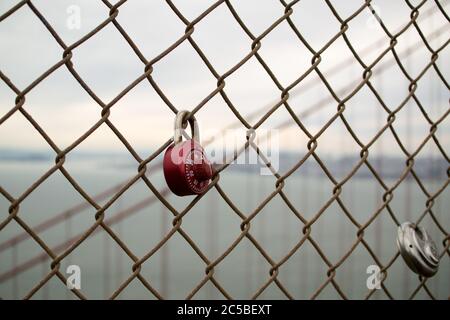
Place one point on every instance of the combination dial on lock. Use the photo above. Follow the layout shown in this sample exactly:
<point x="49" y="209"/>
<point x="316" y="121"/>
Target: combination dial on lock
<point x="418" y="249"/>
<point x="186" y="169"/>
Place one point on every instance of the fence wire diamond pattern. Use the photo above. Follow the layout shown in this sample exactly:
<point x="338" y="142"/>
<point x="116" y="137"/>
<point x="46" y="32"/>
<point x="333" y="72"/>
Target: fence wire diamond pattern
<point x="144" y="164"/>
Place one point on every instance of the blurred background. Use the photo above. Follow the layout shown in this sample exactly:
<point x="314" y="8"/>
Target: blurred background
<point x="101" y="163"/>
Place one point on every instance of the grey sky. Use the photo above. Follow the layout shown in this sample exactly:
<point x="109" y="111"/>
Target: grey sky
<point x="108" y="65"/>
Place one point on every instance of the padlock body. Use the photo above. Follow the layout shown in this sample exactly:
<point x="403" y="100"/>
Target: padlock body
<point x="186" y="169"/>
<point x="418" y="249"/>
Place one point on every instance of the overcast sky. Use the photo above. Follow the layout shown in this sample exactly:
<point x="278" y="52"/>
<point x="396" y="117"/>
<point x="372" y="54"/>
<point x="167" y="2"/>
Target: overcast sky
<point x="108" y="65"/>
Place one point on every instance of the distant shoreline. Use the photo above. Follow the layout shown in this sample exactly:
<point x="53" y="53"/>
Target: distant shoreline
<point x="386" y="166"/>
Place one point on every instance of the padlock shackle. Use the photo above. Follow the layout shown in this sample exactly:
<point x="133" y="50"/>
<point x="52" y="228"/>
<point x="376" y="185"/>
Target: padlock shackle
<point x="179" y="120"/>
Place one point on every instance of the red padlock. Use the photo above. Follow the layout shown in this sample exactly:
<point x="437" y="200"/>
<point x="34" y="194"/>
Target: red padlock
<point x="186" y="168"/>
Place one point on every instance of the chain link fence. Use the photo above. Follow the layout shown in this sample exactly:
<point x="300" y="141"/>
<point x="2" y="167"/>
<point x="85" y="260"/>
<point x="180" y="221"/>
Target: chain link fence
<point x="249" y="122"/>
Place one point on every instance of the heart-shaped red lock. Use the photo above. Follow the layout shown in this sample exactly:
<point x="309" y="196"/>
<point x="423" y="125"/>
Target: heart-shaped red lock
<point x="186" y="168"/>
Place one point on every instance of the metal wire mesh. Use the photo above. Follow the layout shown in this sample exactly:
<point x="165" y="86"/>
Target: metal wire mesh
<point x="101" y="222"/>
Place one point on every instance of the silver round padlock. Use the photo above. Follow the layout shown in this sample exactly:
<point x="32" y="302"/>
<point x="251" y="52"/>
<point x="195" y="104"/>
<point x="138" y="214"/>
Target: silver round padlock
<point x="418" y="249"/>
